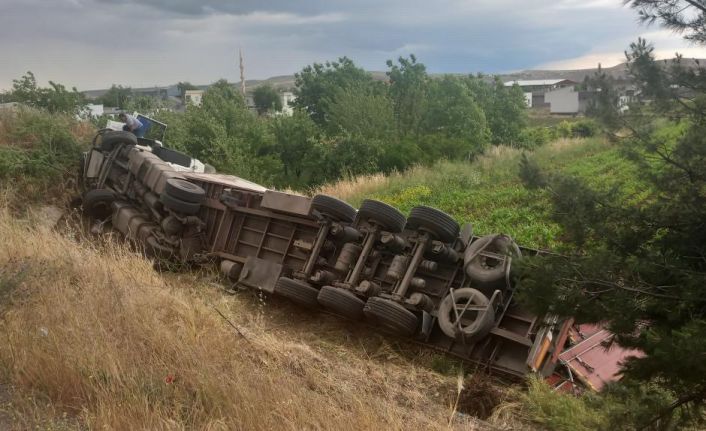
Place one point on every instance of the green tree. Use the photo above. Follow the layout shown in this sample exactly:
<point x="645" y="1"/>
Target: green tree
<point x="223" y="132"/>
<point x="639" y="264"/>
<point x="267" y="99"/>
<point x="453" y="113"/>
<point x="317" y="83"/>
<point x="297" y="144"/>
<point x="682" y="16"/>
<point x="117" y="96"/>
<point x="409" y="86"/>
<point x="147" y="105"/>
<point x="55" y="98"/>
<point x="25" y="90"/>
<point x="506" y="113"/>
<point x="362" y="109"/>
<point x="184" y="86"/>
<point x="352" y="155"/>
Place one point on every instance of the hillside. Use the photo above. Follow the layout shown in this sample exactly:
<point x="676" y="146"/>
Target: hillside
<point x="96" y="338"/>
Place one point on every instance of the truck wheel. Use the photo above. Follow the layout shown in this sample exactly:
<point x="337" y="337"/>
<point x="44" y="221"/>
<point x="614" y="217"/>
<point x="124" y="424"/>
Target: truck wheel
<point x="178" y="205"/>
<point x="387" y="217"/>
<point x="341" y="301"/>
<point x="109" y="139"/>
<point x="334" y="208"/>
<point x="297" y="291"/>
<point x="391" y="315"/>
<point x="487" y="271"/>
<point x="98" y="203"/>
<point x="476" y="320"/>
<point x="185" y="191"/>
<point x="436" y="222"/>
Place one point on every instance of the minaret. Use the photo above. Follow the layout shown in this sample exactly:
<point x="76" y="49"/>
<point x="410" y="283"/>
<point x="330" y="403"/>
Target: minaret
<point x="242" y="73"/>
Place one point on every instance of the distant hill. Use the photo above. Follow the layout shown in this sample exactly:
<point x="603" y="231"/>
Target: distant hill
<point x="618" y="72"/>
<point x="286" y="82"/>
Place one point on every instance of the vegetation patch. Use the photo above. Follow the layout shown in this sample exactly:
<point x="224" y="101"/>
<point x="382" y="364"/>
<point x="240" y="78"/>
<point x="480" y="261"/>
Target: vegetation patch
<point x="488" y="192"/>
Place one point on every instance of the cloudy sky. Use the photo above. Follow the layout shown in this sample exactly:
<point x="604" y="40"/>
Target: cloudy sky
<point x="93" y="43"/>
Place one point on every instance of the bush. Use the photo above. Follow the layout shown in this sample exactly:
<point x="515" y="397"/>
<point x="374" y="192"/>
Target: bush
<point x="584" y="128"/>
<point x="39" y="150"/>
<point x="531" y="174"/>
<point x="533" y="137"/>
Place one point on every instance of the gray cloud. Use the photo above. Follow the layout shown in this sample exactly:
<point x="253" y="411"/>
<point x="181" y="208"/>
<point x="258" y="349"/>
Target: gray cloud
<point x="237" y="7"/>
<point x="93" y="43"/>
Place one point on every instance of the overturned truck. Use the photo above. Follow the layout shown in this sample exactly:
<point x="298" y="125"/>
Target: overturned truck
<point x="420" y="276"/>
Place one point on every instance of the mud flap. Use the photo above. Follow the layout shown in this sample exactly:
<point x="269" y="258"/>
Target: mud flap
<point x="260" y="274"/>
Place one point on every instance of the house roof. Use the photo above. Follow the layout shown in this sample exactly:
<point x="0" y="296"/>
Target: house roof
<point x="535" y="82"/>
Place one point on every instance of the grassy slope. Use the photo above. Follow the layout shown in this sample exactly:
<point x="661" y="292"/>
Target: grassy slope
<point x="488" y="192"/>
<point x="93" y="332"/>
<point x="93" y="337"/>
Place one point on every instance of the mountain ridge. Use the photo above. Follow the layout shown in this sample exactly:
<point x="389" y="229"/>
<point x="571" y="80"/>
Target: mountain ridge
<point x="286" y="82"/>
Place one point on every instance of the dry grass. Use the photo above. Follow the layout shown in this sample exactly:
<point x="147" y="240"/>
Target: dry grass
<point x="93" y="337"/>
<point x="349" y="188"/>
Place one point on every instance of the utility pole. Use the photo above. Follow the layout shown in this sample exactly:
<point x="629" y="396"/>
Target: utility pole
<point x="242" y="72"/>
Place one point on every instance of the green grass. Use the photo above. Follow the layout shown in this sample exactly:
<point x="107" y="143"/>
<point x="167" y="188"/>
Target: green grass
<point x="489" y="194"/>
<point x="557" y="411"/>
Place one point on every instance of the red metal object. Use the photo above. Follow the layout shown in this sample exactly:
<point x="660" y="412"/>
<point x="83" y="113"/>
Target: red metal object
<point x="593" y="359"/>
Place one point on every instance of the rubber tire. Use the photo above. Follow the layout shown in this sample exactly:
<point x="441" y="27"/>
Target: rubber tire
<point x="475" y="330"/>
<point x="297" y="291"/>
<point x="488" y="277"/>
<point x="391" y="315"/>
<point x="111" y="138"/>
<point x="435" y="221"/>
<point x="185" y="191"/>
<point x="337" y="209"/>
<point x="178" y="205"/>
<point x="97" y="203"/>
<point x="387" y="217"/>
<point x="341" y="301"/>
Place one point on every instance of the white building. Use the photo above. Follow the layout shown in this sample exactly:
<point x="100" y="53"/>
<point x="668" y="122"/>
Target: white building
<point x="287" y="98"/>
<point x="193" y="96"/>
<point x="568" y="100"/>
<point x="535" y="89"/>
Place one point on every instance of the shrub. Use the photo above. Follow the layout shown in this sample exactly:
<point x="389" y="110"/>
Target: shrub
<point x="39" y="150"/>
<point x="557" y="411"/>
<point x="584" y="128"/>
<point x="533" y="137"/>
<point x="531" y="174"/>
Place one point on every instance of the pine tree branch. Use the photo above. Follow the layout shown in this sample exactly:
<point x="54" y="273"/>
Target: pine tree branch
<point x="697" y="5"/>
<point x="685" y="399"/>
<point x="614" y="286"/>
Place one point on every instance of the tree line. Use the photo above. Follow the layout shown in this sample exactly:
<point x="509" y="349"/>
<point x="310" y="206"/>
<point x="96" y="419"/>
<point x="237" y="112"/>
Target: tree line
<point x="347" y="123"/>
<point x="635" y="256"/>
